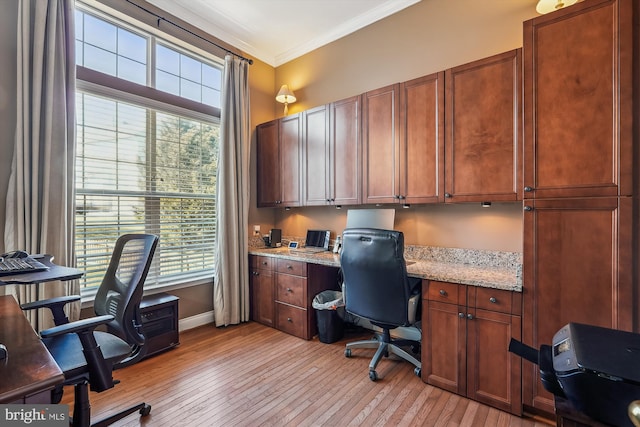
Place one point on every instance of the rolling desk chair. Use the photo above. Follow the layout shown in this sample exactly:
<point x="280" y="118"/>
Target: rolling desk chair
<point x="88" y="357"/>
<point x="377" y="288"/>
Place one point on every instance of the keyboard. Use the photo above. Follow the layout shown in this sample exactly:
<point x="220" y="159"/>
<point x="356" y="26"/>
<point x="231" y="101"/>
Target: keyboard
<point x="9" y="266"/>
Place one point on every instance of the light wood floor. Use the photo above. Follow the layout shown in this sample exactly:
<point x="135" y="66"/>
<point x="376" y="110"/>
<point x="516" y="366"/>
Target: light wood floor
<point x="252" y="375"/>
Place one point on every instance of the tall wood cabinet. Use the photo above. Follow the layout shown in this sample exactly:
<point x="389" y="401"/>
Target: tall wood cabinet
<point x="580" y="191"/>
<point x="484" y="130"/>
<point x="279" y="155"/>
<point x="465" y="340"/>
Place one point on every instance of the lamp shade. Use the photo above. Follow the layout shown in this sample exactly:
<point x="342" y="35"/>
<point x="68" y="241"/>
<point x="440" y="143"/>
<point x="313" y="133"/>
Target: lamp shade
<point x="285" y="95"/>
<point x="546" y="6"/>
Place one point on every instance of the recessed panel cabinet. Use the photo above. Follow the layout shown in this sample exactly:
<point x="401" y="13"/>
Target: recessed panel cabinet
<point x="279" y="155"/>
<point x="578" y="101"/>
<point x="465" y="339"/>
<point x="262" y="289"/>
<point x="484" y="129"/>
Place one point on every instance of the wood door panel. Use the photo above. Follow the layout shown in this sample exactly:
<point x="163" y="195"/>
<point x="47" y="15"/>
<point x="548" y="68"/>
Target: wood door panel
<point x="422" y="139"/>
<point x="268" y="164"/>
<point x="577" y="119"/>
<point x="316" y="156"/>
<point x="291" y="289"/>
<point x="444" y="350"/>
<point x="573" y="272"/>
<point x="264" y="296"/>
<point x="493" y="374"/>
<point x="483" y="135"/>
<point x="290" y="160"/>
<point x="380" y="140"/>
<point x="346" y="151"/>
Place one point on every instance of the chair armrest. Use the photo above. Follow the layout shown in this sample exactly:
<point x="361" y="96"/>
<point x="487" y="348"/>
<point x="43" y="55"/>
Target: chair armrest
<point x="56" y="305"/>
<point x="77" y="326"/>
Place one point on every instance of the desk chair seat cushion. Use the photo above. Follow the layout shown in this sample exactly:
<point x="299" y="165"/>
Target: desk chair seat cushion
<point x="67" y="352"/>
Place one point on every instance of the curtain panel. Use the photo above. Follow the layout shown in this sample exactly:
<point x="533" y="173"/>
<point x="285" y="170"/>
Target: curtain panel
<point x="231" y="281"/>
<point x="40" y="197"/>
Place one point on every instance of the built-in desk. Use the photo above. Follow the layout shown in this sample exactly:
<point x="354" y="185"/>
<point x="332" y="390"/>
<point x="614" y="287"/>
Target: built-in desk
<point x="28" y="372"/>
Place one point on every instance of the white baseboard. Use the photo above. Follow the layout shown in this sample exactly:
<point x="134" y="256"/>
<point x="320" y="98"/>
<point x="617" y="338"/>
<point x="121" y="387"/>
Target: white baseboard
<point x="195" y="321"/>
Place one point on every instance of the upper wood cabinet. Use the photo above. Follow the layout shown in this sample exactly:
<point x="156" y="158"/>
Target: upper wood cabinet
<point x="380" y="132"/>
<point x="578" y="89"/>
<point x="331" y="141"/>
<point x="279" y="156"/>
<point x="421" y="143"/>
<point x="403" y="147"/>
<point x="484" y="130"/>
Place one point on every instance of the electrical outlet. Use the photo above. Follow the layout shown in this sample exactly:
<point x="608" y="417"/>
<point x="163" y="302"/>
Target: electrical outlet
<point x="256" y="230"/>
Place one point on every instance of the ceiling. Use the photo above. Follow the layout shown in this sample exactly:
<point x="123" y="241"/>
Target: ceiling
<point x="278" y="31"/>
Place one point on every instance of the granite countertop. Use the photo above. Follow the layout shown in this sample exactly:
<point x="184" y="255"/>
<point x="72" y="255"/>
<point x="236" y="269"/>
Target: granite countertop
<point x="488" y="269"/>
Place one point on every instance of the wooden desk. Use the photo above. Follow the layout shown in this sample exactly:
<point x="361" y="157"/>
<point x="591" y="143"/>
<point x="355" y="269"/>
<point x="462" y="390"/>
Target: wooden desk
<point x="29" y="371"/>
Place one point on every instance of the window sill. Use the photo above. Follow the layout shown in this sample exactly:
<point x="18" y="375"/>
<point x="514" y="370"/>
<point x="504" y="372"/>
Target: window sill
<point x="89" y="295"/>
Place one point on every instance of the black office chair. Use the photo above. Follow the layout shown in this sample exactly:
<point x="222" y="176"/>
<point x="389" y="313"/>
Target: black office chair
<point x="87" y="357"/>
<point x="377" y="288"/>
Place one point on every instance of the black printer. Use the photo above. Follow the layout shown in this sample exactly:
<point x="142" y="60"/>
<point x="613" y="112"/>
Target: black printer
<point x="597" y="369"/>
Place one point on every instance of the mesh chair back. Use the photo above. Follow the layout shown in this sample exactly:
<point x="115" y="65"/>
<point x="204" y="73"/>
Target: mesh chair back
<point x="376" y="286"/>
<point x="121" y="289"/>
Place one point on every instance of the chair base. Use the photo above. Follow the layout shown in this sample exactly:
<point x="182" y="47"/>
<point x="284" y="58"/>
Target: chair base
<point x="82" y="409"/>
<point x="385" y="346"/>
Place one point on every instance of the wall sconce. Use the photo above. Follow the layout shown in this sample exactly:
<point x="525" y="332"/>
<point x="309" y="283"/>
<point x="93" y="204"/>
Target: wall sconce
<point x="546" y="6"/>
<point x="286" y="96"/>
<point x="485" y="204"/>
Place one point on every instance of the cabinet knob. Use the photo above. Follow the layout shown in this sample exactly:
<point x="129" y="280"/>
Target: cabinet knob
<point x="493" y="300"/>
<point x="289" y="267"/>
<point x="447" y="195"/>
<point x="289" y="290"/>
<point x="528" y="189"/>
<point x="289" y="319"/>
<point x="401" y="197"/>
<point x="443" y="292"/>
<point x="470" y="316"/>
<point x="528" y="208"/>
<point x="461" y="315"/>
<point x="264" y="262"/>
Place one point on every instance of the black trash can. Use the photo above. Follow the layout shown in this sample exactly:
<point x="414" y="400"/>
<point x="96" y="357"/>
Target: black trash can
<point x="329" y="307"/>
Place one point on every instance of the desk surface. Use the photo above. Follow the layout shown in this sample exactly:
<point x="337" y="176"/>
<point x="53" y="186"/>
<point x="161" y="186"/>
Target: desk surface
<point x="55" y="272"/>
<point x="28" y="368"/>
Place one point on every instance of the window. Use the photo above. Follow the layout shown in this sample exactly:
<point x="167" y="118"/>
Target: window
<point x="146" y="162"/>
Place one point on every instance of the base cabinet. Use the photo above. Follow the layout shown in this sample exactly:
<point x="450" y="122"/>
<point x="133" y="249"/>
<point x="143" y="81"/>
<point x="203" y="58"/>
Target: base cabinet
<point x="282" y="292"/>
<point x="465" y="340"/>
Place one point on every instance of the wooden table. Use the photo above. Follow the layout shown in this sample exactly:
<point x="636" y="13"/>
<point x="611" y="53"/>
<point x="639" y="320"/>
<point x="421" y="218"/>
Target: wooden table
<point x="28" y="372"/>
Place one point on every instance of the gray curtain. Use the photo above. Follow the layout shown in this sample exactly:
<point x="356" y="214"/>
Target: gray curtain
<point x="40" y="197"/>
<point x="231" y="281"/>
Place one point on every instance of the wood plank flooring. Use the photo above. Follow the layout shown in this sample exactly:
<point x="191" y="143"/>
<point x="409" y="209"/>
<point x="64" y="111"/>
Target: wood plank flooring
<point x="252" y="375"/>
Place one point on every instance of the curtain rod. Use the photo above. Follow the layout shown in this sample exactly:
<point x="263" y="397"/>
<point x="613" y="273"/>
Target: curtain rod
<point x="161" y="18"/>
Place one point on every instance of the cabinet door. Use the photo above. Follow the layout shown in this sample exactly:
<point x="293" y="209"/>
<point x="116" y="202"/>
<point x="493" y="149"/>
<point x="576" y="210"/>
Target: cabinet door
<point x="493" y="374"/>
<point x="316" y="156"/>
<point x="444" y="357"/>
<point x="421" y="153"/>
<point x="483" y="129"/>
<point x="577" y="268"/>
<point x="380" y="145"/>
<point x="290" y="160"/>
<point x="268" y="164"/>
<point x="345" y="152"/>
<point x="263" y="296"/>
<point x="578" y="79"/>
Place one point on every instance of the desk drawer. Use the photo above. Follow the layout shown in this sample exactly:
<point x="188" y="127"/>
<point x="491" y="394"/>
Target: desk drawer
<point x="262" y="262"/>
<point x="298" y="268"/>
<point x="291" y="289"/>
<point x="291" y="320"/>
<point x="450" y="293"/>
<point x="493" y="300"/>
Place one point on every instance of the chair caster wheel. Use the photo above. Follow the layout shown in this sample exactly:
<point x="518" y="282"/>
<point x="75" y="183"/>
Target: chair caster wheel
<point x="347" y="353"/>
<point x="373" y="375"/>
<point x="145" y="410"/>
<point x="418" y="372"/>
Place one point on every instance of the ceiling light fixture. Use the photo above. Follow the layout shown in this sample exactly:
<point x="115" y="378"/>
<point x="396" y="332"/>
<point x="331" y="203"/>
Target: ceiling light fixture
<point x="546" y="6"/>
<point x="286" y="96"/>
